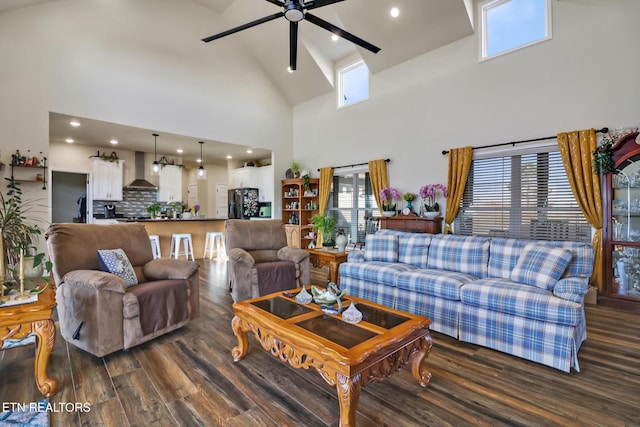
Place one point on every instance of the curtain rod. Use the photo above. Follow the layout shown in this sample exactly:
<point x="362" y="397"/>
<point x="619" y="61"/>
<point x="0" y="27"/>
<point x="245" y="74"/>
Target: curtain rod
<point x="603" y="130"/>
<point x="357" y="164"/>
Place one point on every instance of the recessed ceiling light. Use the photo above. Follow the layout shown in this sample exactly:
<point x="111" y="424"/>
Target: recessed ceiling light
<point x="69" y="140"/>
<point x="395" y="12"/>
<point x="114" y="141"/>
<point x="335" y="38"/>
<point x="249" y="150"/>
<point x="180" y="150"/>
<point x="74" y="123"/>
<point x="229" y="157"/>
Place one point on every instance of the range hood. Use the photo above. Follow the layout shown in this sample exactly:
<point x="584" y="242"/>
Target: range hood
<point x="140" y="183"/>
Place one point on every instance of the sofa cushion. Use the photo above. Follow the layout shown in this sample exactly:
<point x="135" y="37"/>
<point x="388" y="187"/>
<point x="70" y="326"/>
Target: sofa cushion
<point x="464" y="254"/>
<point x="115" y="261"/>
<point x="437" y="283"/>
<point x="374" y="271"/>
<point x="504" y="255"/>
<point x="540" y="266"/>
<point x="529" y="302"/>
<point x="413" y="249"/>
<point x="381" y="247"/>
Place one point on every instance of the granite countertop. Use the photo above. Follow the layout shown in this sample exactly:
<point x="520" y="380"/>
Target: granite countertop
<point x="168" y="219"/>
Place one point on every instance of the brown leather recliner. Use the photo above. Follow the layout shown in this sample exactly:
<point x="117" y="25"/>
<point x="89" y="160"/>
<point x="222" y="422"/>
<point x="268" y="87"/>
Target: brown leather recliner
<point x="98" y="312"/>
<point x="260" y="262"/>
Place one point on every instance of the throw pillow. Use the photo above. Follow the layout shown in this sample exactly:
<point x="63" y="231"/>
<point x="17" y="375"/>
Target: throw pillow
<point x="541" y="266"/>
<point x="381" y="248"/>
<point x="115" y="261"/>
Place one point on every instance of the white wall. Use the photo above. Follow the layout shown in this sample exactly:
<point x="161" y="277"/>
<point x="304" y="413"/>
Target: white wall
<point x="587" y="76"/>
<point x="139" y="63"/>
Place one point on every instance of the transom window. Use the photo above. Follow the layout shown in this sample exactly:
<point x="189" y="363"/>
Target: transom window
<point x="508" y="25"/>
<point x="353" y="84"/>
<point x="521" y="196"/>
<point x="351" y="201"/>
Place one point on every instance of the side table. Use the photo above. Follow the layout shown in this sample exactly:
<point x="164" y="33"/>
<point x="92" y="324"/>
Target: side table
<point x="321" y="257"/>
<point x="18" y="321"/>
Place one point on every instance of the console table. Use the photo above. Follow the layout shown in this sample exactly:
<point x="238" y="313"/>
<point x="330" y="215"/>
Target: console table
<point x="412" y="223"/>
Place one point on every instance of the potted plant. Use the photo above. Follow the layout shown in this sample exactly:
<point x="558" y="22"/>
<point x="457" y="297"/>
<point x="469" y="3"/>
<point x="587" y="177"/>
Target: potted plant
<point x="325" y="224"/>
<point x="389" y="196"/>
<point x="295" y="169"/>
<point x="409" y="198"/>
<point x="603" y="157"/>
<point x="176" y="208"/>
<point x="154" y="210"/>
<point x="429" y="193"/>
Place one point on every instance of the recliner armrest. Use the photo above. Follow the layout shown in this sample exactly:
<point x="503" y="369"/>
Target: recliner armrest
<point x="160" y="269"/>
<point x="95" y="279"/>
<point x="289" y="253"/>
<point x="241" y="256"/>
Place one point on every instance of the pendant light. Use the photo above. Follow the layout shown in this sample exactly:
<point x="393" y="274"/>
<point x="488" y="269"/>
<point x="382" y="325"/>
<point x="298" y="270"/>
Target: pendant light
<point x="202" y="172"/>
<point x="155" y="166"/>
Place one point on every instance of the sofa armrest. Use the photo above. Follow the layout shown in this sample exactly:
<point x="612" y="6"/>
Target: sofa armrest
<point x="241" y="256"/>
<point x="289" y="253"/>
<point x="160" y="269"/>
<point x="95" y="279"/>
<point x="572" y="288"/>
<point x="355" y="256"/>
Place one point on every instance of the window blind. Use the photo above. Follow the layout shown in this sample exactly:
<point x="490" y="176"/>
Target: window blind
<point x="521" y="196"/>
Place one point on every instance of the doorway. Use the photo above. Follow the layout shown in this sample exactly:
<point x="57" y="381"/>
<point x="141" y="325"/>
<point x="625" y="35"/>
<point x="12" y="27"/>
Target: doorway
<point x="69" y="202"/>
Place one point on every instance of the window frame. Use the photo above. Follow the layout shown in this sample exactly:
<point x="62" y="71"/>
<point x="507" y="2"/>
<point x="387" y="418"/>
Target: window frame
<point x="487" y="5"/>
<point x="340" y="72"/>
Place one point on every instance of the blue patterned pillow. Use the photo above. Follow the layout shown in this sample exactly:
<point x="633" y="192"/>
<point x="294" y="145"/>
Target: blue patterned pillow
<point x="381" y="248"/>
<point x="115" y="261"/>
<point x="541" y="266"/>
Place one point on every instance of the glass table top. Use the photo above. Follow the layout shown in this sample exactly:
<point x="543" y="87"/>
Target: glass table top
<point x="281" y="307"/>
<point x="335" y="330"/>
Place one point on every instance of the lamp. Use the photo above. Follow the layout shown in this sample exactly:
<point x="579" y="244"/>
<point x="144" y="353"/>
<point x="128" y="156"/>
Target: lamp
<point x="155" y="166"/>
<point x="202" y="172"/>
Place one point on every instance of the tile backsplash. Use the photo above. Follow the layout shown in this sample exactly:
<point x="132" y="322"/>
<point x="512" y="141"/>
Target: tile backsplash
<point x="134" y="203"/>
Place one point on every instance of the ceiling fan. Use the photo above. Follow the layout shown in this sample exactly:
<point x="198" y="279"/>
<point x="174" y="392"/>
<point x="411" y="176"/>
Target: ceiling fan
<point x="295" y="11"/>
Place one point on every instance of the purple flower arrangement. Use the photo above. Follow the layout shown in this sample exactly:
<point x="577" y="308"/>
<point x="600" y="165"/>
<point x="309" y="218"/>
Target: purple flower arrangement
<point x="429" y="192"/>
<point x="389" y="196"/>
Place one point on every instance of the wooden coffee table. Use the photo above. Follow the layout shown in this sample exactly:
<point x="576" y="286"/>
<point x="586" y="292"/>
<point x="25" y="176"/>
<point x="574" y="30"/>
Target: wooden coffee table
<point x="17" y="321"/>
<point x="348" y="356"/>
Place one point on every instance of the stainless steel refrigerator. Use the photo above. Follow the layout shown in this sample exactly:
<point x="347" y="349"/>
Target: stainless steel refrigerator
<point x="243" y="203"/>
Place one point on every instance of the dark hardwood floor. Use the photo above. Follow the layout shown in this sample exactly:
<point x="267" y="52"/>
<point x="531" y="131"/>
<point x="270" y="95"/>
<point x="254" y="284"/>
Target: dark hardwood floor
<point x="188" y="378"/>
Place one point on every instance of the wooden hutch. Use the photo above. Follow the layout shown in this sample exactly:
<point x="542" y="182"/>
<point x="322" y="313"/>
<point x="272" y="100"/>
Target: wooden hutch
<point x="298" y="206"/>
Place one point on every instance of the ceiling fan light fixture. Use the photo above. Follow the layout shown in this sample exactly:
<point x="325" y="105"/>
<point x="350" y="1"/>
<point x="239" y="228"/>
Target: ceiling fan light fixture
<point x="155" y="166"/>
<point x="293" y="12"/>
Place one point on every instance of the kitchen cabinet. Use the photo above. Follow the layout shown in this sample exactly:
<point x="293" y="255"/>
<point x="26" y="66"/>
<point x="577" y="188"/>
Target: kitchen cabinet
<point x="107" y="179"/>
<point x="170" y="188"/>
<point x="265" y="183"/>
<point x="621" y="227"/>
<point x="245" y="177"/>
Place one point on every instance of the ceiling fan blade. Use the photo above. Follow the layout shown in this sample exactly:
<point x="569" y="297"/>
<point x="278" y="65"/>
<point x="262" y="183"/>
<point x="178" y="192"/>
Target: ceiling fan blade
<point x="276" y="2"/>
<point x="341" y="33"/>
<point x="314" y="4"/>
<point x="293" y="45"/>
<point x="244" y="27"/>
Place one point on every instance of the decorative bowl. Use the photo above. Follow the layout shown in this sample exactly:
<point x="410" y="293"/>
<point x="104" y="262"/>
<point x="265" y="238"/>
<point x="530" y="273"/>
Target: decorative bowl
<point x="431" y="215"/>
<point x="389" y="214"/>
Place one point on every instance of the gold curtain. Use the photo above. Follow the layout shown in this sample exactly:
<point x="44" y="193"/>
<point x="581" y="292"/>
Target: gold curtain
<point x="459" y="165"/>
<point x="326" y="177"/>
<point x="576" y="149"/>
<point x="378" y="178"/>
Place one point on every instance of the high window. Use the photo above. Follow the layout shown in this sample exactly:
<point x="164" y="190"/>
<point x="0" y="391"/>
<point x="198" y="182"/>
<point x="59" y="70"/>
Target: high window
<point x="351" y="201"/>
<point x="353" y="84"/>
<point x="508" y="25"/>
<point x="521" y="196"/>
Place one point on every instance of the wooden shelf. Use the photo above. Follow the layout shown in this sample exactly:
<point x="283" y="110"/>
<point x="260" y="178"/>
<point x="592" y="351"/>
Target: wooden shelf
<point x="296" y="218"/>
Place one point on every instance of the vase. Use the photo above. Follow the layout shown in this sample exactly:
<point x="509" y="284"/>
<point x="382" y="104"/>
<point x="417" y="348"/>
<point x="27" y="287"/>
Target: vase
<point x="32" y="275"/>
<point x="352" y="314"/>
<point x="341" y="241"/>
<point x="431" y="215"/>
<point x="388" y="214"/>
<point x="409" y="205"/>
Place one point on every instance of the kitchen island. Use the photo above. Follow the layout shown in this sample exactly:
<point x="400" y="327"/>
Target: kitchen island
<point x="165" y="228"/>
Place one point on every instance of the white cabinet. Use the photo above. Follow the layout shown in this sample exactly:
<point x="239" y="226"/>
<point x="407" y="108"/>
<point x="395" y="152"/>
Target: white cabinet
<point x="107" y="179"/>
<point x="170" y="188"/>
<point x="265" y="183"/>
<point x="245" y="177"/>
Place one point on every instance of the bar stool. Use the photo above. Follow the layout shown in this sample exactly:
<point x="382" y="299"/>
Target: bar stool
<point x="185" y="239"/>
<point x="214" y="242"/>
<point x="155" y="246"/>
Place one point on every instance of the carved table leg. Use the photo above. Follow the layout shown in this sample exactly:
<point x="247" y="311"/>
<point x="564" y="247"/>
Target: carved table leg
<point x="45" y="330"/>
<point x="348" y="394"/>
<point x="420" y="373"/>
<point x="240" y="350"/>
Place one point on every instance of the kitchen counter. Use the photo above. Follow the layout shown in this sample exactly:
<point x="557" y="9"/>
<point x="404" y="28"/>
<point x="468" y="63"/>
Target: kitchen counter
<point x="165" y="228"/>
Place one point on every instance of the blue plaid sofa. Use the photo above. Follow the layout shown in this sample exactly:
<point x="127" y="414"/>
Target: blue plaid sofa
<point x="521" y="297"/>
